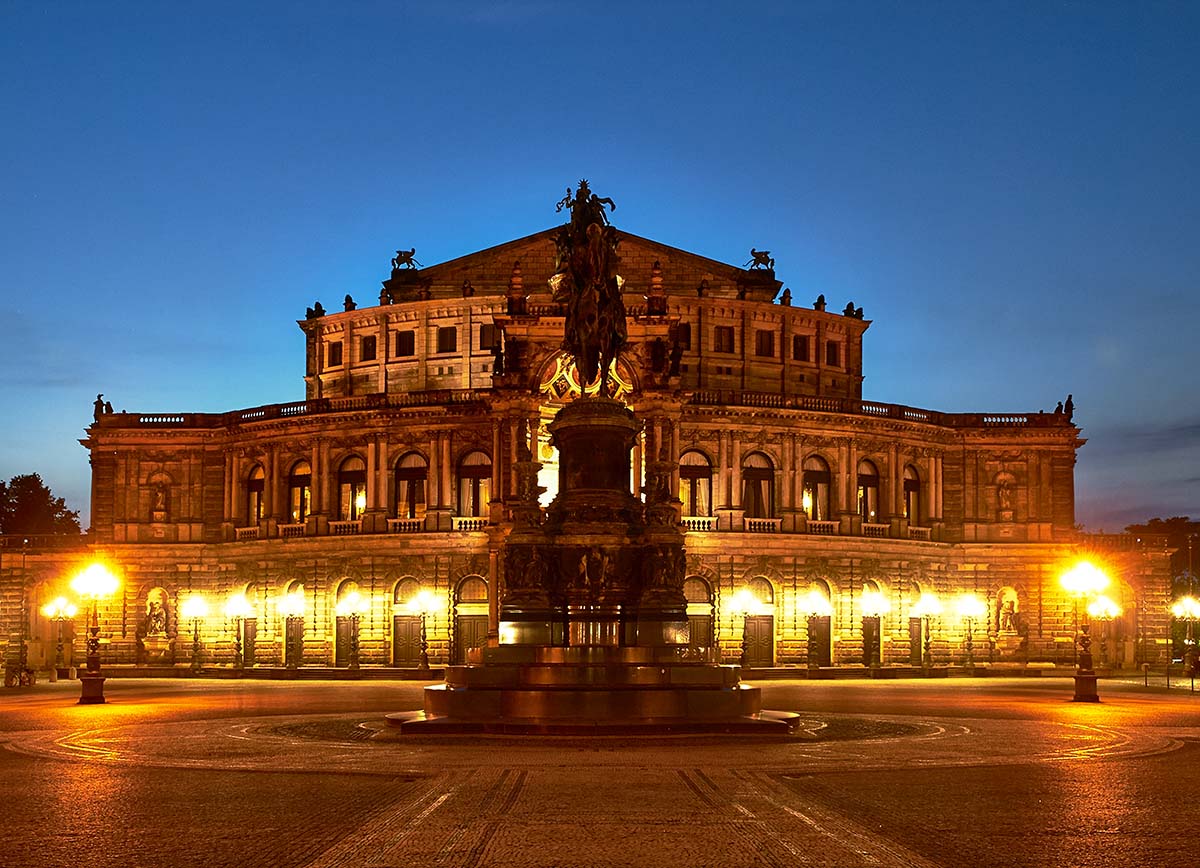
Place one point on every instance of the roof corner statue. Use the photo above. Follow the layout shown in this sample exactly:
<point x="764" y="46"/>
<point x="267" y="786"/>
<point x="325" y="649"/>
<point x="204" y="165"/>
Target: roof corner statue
<point x="586" y="280"/>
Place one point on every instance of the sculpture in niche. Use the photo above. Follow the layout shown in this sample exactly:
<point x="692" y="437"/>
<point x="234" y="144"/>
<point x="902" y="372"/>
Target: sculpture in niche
<point x="1004" y="494"/>
<point x="158" y="501"/>
<point x="158" y="618"/>
<point x="1007" y="609"/>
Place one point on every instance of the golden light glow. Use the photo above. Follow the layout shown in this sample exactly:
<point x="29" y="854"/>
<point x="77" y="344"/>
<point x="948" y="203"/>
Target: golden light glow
<point x="1186" y="607"/>
<point x="816" y="604"/>
<point x="351" y="604"/>
<point x="928" y="606"/>
<point x="744" y="602"/>
<point x="194" y="607"/>
<point x="292" y="605"/>
<point x="1084" y="579"/>
<point x="806" y="502"/>
<point x="874" y="604"/>
<point x="59" y="608"/>
<point x="1103" y="609"/>
<point x="970" y="606"/>
<point x="95" y="582"/>
<point x="424" y="602"/>
<point x="360" y="502"/>
<point x="237" y="606"/>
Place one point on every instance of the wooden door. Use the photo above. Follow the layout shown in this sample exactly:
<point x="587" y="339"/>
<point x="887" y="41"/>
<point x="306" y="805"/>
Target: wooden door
<point x="760" y="641"/>
<point x="915" y="641"/>
<point x="870" y="634"/>
<point x="700" y="631"/>
<point x="470" y="631"/>
<point x="822" y="628"/>
<point x="294" y="641"/>
<point x="341" y="647"/>
<point x="406" y="640"/>
<point x="249" y="634"/>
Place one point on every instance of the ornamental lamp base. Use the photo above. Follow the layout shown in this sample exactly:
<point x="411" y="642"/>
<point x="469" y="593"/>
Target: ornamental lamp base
<point x="1085" y="687"/>
<point x="92" y="692"/>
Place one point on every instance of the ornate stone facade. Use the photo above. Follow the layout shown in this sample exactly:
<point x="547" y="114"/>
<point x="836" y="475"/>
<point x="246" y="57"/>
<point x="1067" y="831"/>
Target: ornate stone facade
<point x="424" y="431"/>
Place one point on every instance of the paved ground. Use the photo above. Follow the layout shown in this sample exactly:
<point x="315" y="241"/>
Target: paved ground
<point x="911" y="773"/>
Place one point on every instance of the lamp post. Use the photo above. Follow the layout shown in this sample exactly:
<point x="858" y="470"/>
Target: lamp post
<point x="1103" y="609"/>
<point x="1188" y="608"/>
<point x="743" y="603"/>
<point x="928" y="605"/>
<point x="237" y="609"/>
<point x="195" y="609"/>
<point x="816" y="606"/>
<point x="59" y="609"/>
<point x="874" y="605"/>
<point x="292" y="607"/>
<point x="94" y="583"/>
<point x="351" y="606"/>
<point x="970" y="609"/>
<point x="1084" y="581"/>
<point x="423" y="603"/>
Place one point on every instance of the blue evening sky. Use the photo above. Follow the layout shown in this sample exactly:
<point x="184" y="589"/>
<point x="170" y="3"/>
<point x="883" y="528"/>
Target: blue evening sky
<point x="1009" y="190"/>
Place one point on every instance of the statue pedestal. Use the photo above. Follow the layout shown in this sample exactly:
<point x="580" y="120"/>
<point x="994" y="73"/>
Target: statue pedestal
<point x="158" y="649"/>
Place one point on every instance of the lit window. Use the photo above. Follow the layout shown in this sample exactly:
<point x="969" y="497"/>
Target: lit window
<point x="255" y="484"/>
<point x="868" y="492"/>
<point x="299" y="491"/>
<point x="815" y="488"/>
<point x="474" y="484"/>
<point x="411" y="475"/>
<point x="352" y="489"/>
<point x="912" y="495"/>
<point x="695" y="483"/>
<point x="758" y="486"/>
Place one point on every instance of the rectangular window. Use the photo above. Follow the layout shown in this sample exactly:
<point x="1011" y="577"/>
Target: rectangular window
<point x="799" y="348"/>
<point x="447" y="339"/>
<point x="764" y="343"/>
<point x="335" y="354"/>
<point x="367" y="350"/>
<point x="406" y="343"/>
<point x="831" y="354"/>
<point x="723" y="339"/>
<point x="487" y="336"/>
<point x="683" y="335"/>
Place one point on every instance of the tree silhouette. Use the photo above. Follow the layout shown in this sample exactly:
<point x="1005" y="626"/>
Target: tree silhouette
<point x="27" y="506"/>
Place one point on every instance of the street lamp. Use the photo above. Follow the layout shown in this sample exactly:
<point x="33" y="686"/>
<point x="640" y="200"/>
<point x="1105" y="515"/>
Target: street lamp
<point x="970" y="609"/>
<point x="1104" y="610"/>
<point x="195" y="608"/>
<point x="351" y="606"/>
<point x="743" y="602"/>
<point x="59" y="609"/>
<point x="815" y="606"/>
<point x="927" y="607"/>
<point x="94" y="583"/>
<point x="423" y="604"/>
<point x="1188" y="608"/>
<point x="292" y="607"/>
<point x="237" y="609"/>
<point x="874" y="605"/>
<point x="1084" y="581"/>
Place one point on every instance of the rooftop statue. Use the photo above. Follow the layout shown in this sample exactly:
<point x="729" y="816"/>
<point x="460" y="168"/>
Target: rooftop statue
<point x="405" y="259"/>
<point x="586" y="281"/>
<point x="761" y="259"/>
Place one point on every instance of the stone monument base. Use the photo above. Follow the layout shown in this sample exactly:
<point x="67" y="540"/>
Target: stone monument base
<point x="596" y="690"/>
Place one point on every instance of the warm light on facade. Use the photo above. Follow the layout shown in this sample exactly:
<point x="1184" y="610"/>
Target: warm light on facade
<point x="1084" y="580"/>
<point x="744" y="602"/>
<point x="1103" y="609"/>
<point x="424" y="602"/>
<point x="292" y="605"/>
<point x="815" y="604"/>
<point x="95" y="582"/>
<point x="928" y="606"/>
<point x="1186" y="607"/>
<point x="874" y="604"/>
<point x="350" y="605"/>
<point x="60" y="608"/>
<point x="194" y="607"/>
<point x="970" y="606"/>
<point x="237" y="606"/>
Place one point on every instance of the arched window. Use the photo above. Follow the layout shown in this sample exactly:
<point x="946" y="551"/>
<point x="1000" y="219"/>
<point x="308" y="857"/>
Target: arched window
<point x="474" y="484"/>
<point x="912" y="495"/>
<point x="299" y="492"/>
<point x="815" y="496"/>
<point x="868" y="491"/>
<point x="352" y="489"/>
<point x="255" y="484"/>
<point x="411" y="475"/>
<point x="695" y="483"/>
<point x="758" y="486"/>
<point x="764" y="592"/>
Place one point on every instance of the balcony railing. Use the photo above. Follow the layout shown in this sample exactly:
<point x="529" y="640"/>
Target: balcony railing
<point x="291" y="531"/>
<point x="245" y="533"/>
<point x="468" y="522"/>
<point x="700" y="523"/>
<point x="825" y="528"/>
<point x="345" y="528"/>
<point x="405" y="525"/>
<point x="875" y="531"/>
<point x="921" y="533"/>
<point x="763" y="525"/>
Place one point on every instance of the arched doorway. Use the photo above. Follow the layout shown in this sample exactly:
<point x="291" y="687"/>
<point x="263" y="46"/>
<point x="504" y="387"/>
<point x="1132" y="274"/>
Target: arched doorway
<point x="344" y="625"/>
<point x="699" y="596"/>
<point x="816" y="606"/>
<point x="406" y="626"/>
<point x="470" y="616"/>
<point x="760" y="626"/>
